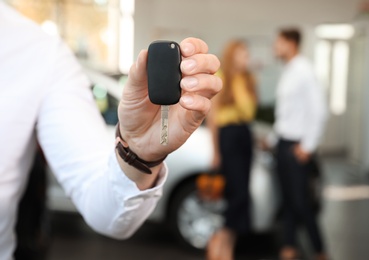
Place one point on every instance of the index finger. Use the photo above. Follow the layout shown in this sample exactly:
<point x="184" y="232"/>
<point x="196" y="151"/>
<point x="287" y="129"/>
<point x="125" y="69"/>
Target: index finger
<point x="191" y="46"/>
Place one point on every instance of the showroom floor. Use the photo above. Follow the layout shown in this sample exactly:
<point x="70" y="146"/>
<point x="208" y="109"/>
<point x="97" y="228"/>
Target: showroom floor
<point x="345" y="221"/>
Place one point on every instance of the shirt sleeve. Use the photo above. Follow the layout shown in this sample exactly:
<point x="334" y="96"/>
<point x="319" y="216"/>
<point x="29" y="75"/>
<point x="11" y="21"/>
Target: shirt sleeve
<point x="81" y="154"/>
<point x="316" y="113"/>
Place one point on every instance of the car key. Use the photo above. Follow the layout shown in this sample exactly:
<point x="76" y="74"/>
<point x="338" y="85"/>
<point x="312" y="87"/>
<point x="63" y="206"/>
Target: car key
<point x="164" y="76"/>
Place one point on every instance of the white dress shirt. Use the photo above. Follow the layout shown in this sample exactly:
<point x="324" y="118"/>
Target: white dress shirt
<point x="300" y="105"/>
<point x="45" y="96"/>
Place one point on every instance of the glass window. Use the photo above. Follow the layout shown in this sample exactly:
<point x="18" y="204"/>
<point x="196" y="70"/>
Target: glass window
<point x="90" y="27"/>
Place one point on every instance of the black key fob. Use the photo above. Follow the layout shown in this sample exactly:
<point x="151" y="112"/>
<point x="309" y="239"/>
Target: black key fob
<point x="164" y="73"/>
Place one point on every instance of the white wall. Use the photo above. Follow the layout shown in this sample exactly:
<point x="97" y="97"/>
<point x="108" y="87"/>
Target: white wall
<point x="216" y="21"/>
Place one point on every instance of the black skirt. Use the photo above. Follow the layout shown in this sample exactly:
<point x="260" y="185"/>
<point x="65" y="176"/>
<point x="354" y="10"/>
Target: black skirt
<point x="236" y="146"/>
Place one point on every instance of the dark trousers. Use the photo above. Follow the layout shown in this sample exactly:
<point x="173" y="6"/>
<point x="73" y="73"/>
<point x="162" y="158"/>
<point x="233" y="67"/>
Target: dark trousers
<point x="294" y="179"/>
<point x="236" y="153"/>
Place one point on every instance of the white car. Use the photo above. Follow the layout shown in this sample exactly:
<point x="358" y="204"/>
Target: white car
<point x="192" y="220"/>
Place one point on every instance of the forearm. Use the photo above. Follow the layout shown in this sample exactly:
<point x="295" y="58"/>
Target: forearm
<point x="81" y="155"/>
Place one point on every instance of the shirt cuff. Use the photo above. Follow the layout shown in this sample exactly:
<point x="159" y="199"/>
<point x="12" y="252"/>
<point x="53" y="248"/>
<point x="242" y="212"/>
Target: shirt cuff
<point x="125" y="188"/>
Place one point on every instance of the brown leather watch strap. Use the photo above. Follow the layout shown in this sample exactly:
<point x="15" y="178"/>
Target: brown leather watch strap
<point x="130" y="157"/>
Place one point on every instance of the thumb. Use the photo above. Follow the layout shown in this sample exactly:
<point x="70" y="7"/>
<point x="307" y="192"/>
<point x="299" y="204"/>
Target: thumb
<point x="137" y="77"/>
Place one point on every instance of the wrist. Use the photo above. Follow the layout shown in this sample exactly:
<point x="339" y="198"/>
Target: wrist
<point x="131" y="158"/>
<point x="142" y="181"/>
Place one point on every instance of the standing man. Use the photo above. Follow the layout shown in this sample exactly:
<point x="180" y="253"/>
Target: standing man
<point x="300" y="118"/>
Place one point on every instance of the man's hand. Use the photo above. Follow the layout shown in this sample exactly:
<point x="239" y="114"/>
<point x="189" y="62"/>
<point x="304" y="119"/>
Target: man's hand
<point x="140" y="119"/>
<point x="301" y="155"/>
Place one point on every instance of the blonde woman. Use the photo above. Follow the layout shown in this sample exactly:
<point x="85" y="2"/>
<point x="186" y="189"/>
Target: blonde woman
<point x="233" y="111"/>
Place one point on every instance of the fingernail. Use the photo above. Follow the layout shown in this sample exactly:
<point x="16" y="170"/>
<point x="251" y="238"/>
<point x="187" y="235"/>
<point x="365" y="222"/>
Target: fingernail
<point x="188" y="48"/>
<point x="188" y="100"/>
<point x="190" y="82"/>
<point x="189" y="65"/>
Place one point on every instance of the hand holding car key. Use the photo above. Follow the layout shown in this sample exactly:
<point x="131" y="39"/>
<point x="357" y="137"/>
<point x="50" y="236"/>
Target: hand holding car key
<point x="164" y="77"/>
<point x="139" y="118"/>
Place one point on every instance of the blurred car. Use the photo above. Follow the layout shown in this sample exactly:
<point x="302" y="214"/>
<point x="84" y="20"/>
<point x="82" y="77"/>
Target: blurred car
<point x="191" y="219"/>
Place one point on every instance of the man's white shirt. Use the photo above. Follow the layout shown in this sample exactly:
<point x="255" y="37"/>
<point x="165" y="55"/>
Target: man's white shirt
<point x="300" y="105"/>
<point x="45" y="96"/>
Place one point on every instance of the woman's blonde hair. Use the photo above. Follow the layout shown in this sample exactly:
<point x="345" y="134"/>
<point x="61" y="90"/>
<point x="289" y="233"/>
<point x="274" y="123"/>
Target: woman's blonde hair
<point x="228" y="71"/>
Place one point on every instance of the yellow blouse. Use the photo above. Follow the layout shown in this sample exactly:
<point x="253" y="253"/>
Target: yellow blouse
<point x="242" y="110"/>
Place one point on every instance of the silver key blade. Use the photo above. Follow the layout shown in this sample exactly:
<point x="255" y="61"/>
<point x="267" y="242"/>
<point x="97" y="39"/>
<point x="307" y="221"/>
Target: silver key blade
<point x="164" y="133"/>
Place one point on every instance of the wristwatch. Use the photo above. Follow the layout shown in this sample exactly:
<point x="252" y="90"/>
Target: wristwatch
<point x="130" y="157"/>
